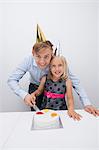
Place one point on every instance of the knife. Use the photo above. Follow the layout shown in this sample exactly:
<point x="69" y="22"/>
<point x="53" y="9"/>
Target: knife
<point x="36" y="108"/>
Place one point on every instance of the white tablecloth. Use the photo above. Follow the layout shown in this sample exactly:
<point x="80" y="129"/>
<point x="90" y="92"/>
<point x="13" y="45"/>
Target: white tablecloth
<point x="16" y="133"/>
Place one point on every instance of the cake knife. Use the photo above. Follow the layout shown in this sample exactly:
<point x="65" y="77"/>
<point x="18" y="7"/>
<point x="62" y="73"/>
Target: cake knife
<point x="36" y="108"/>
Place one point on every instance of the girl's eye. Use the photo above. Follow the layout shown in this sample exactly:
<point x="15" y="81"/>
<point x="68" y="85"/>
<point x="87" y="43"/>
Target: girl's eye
<point x="60" y="65"/>
<point x="52" y="66"/>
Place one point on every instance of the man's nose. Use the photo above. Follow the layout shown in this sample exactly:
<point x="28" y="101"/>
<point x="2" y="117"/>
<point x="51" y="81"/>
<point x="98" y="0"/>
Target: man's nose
<point x="42" y="60"/>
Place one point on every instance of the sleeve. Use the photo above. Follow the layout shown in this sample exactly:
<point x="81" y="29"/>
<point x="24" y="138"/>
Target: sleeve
<point x="79" y="89"/>
<point x="14" y="78"/>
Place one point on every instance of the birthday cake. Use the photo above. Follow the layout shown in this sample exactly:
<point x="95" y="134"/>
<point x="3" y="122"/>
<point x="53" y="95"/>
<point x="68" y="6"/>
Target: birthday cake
<point x="46" y="119"/>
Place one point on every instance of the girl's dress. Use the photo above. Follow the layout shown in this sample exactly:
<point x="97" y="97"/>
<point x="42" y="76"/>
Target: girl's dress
<point x="54" y="95"/>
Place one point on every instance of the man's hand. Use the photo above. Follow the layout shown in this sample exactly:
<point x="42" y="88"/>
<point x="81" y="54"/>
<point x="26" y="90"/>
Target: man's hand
<point x="29" y="100"/>
<point x="92" y="110"/>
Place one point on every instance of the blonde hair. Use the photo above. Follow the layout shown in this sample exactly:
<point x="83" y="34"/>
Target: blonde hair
<point x="65" y="68"/>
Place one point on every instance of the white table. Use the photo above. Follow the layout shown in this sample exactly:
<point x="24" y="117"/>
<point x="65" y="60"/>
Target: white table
<point x="75" y="135"/>
<point x="8" y="122"/>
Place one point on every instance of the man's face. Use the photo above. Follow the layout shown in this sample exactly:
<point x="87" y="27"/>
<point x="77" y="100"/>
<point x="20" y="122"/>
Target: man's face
<point x="43" y="57"/>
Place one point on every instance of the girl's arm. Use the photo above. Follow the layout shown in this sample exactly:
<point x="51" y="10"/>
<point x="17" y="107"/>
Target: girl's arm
<point x="70" y="101"/>
<point x="40" y="88"/>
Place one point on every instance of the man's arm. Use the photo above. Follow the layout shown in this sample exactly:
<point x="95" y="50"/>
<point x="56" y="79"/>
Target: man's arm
<point x="14" y="78"/>
<point x="79" y="89"/>
<point x="82" y="94"/>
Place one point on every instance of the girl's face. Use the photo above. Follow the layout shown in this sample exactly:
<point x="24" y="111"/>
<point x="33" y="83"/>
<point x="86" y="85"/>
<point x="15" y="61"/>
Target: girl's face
<point x="57" y="68"/>
<point x="43" y="57"/>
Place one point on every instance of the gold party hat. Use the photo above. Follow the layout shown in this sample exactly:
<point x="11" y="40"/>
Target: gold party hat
<point x="40" y="35"/>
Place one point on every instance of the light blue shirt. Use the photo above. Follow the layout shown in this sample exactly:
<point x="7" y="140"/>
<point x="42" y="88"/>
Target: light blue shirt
<point x="29" y="65"/>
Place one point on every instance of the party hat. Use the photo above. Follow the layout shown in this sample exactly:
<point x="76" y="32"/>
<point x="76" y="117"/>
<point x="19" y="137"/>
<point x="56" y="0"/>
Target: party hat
<point x="40" y="35"/>
<point x="58" y="49"/>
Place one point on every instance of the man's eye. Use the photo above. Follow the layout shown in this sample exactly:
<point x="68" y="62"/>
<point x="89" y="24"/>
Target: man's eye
<point x="46" y="57"/>
<point x="38" y="56"/>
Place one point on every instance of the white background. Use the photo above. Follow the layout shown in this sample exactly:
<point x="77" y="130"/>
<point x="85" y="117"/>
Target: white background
<point x="75" y="23"/>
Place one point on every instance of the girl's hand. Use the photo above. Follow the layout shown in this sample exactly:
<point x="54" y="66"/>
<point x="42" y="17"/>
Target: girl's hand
<point x="33" y="96"/>
<point x="74" y="115"/>
<point x="29" y="100"/>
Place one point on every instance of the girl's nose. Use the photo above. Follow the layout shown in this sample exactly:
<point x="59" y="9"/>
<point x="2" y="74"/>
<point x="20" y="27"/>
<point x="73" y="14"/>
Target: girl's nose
<point x="57" y="68"/>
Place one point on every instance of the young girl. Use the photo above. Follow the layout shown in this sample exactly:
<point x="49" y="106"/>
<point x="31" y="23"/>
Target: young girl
<point x="57" y="87"/>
